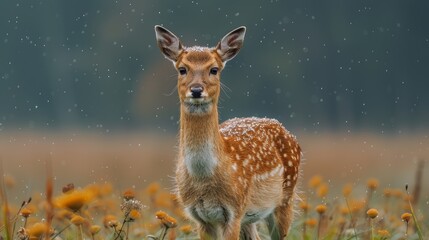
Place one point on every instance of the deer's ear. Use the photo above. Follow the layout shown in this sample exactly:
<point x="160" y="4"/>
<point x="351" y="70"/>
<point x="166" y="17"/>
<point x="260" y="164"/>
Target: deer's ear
<point x="230" y="45"/>
<point x="168" y="43"/>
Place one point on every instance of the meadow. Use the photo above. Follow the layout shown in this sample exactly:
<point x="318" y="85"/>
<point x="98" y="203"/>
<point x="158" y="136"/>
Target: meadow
<point x="80" y="185"/>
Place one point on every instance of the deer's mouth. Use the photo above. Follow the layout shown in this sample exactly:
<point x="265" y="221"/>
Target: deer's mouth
<point x="198" y="106"/>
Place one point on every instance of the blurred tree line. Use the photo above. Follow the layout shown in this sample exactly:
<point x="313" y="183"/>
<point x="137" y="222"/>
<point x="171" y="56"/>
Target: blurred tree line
<point x="312" y="64"/>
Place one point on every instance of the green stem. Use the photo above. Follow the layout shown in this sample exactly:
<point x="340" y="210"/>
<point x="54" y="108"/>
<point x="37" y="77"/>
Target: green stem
<point x="351" y="219"/>
<point x="372" y="229"/>
<point x="128" y="229"/>
<point x="419" y="231"/>
<point x="62" y="230"/>
<point x="122" y="226"/>
<point x="165" y="233"/>
<point x="406" y="230"/>
<point x="318" y="226"/>
<point x="304" y="226"/>
<point x="80" y="232"/>
<point x="25" y="222"/>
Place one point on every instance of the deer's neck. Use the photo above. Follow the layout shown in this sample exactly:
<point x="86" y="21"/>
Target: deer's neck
<point x="200" y="143"/>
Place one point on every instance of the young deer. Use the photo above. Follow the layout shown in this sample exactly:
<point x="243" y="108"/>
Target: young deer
<point x="232" y="175"/>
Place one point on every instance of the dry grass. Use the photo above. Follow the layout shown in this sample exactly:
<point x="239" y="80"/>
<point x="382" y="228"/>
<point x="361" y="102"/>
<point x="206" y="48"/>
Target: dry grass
<point x="123" y="180"/>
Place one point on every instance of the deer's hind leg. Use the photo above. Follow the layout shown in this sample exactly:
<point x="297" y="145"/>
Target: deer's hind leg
<point x="284" y="216"/>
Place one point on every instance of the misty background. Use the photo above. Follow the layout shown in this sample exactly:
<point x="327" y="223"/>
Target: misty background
<point x="314" y="65"/>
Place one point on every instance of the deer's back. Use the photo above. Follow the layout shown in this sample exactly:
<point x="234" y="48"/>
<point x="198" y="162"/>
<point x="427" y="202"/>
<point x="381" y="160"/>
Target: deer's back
<point x="261" y="150"/>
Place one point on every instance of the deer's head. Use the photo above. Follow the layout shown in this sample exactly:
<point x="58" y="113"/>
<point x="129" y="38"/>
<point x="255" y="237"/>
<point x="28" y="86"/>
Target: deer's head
<point x="199" y="68"/>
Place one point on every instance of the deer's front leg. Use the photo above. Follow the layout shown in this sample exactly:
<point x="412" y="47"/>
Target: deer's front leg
<point x="207" y="232"/>
<point x="232" y="229"/>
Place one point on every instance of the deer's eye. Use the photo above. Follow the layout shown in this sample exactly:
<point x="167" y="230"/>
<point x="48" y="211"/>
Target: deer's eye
<point x="182" y="70"/>
<point x="213" y="71"/>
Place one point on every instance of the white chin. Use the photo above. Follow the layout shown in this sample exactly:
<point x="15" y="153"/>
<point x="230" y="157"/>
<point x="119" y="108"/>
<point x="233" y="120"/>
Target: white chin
<point x="198" y="107"/>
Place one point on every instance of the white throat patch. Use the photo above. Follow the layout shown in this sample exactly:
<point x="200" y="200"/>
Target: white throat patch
<point x="200" y="161"/>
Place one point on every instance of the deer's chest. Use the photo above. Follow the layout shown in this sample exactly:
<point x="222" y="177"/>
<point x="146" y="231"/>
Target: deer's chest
<point x="200" y="161"/>
<point x="209" y="212"/>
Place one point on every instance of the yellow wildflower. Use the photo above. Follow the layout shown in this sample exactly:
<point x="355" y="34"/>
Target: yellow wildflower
<point x="129" y="194"/>
<point x="321" y="209"/>
<point x="153" y="188"/>
<point x="347" y="189"/>
<point x="169" y="222"/>
<point x="186" y="229"/>
<point x="406" y="217"/>
<point x="372" y="183"/>
<point x="94" y="229"/>
<point x="74" y="200"/>
<point x="134" y="214"/>
<point x="77" y="220"/>
<point x="37" y="230"/>
<point x="26" y="212"/>
<point x="372" y="213"/>
<point x="315" y="181"/>
<point x="383" y="233"/>
<point x="110" y="221"/>
<point x="311" y="222"/>
<point x="322" y="190"/>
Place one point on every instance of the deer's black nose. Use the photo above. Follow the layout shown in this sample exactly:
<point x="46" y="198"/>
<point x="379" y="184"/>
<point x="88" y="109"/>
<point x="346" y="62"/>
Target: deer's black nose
<point x="196" y="91"/>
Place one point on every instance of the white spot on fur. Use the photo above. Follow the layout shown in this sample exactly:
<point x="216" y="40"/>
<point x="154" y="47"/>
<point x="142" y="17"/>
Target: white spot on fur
<point x="234" y="167"/>
<point x="274" y="172"/>
<point x="245" y="162"/>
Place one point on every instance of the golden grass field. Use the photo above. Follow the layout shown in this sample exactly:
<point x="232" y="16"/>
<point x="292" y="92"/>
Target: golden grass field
<point x="122" y="181"/>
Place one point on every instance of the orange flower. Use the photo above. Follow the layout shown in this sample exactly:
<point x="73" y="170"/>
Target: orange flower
<point x="153" y="188"/>
<point x="321" y="209"/>
<point x="99" y="190"/>
<point x="344" y="210"/>
<point x="341" y="221"/>
<point x="161" y="215"/>
<point x="64" y="214"/>
<point x="169" y="222"/>
<point x="26" y="212"/>
<point x="134" y="214"/>
<point x="37" y="230"/>
<point x="129" y="194"/>
<point x="304" y="206"/>
<point x="406" y="217"/>
<point x="110" y="221"/>
<point x="323" y="190"/>
<point x="356" y="205"/>
<point x="383" y="233"/>
<point x="387" y="192"/>
<point x="315" y="181"/>
<point x="186" y="229"/>
<point x="372" y="183"/>
<point x="311" y="222"/>
<point x="347" y="189"/>
<point x="9" y="181"/>
<point x="372" y="213"/>
<point x="74" y="200"/>
<point x="166" y="220"/>
<point x="77" y="220"/>
<point x="94" y="229"/>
